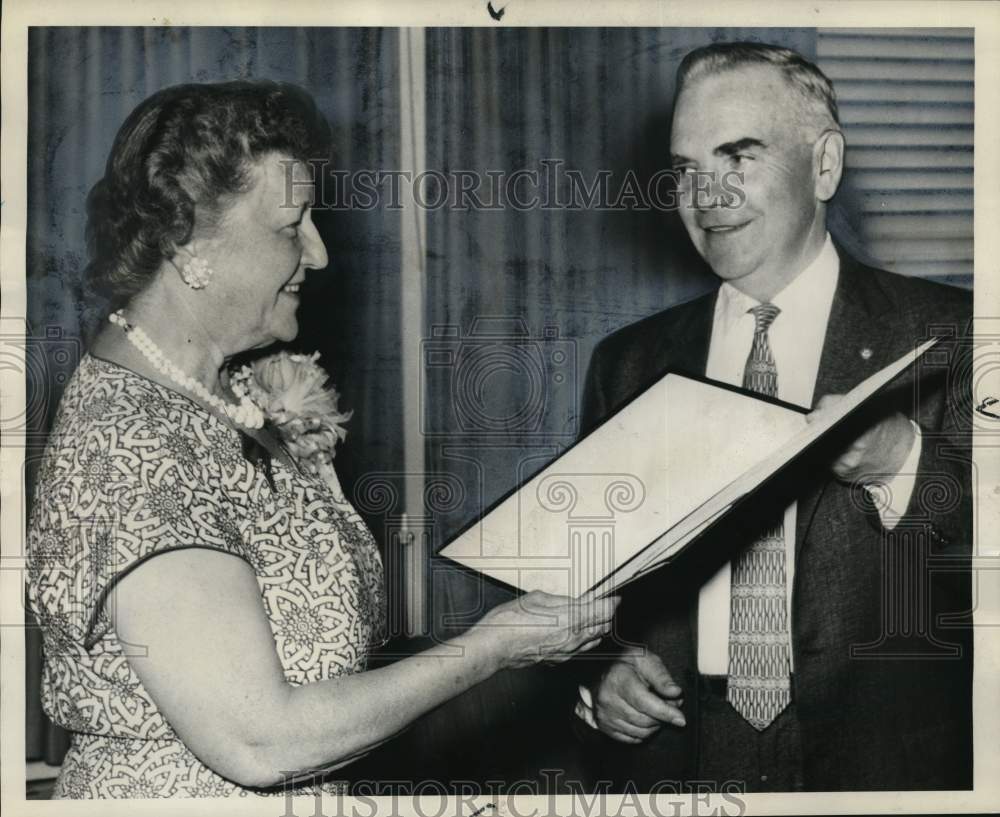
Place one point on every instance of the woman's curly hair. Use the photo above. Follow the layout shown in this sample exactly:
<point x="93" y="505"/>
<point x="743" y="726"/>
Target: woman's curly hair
<point x="183" y="152"/>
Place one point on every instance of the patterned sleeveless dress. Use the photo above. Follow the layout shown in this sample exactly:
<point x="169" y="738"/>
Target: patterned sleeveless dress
<point x="134" y="469"/>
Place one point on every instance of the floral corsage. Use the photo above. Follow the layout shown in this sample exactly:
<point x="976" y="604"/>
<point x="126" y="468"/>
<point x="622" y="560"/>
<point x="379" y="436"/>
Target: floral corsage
<point x="292" y="391"/>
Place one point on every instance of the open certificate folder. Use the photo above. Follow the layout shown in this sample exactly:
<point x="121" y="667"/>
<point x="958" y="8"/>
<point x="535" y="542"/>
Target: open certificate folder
<point x="645" y="484"/>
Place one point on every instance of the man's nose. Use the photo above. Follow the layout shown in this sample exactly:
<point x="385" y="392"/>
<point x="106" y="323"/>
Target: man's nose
<point x="709" y="192"/>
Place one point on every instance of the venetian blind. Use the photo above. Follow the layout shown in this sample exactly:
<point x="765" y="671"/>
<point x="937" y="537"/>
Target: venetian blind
<point x="906" y="105"/>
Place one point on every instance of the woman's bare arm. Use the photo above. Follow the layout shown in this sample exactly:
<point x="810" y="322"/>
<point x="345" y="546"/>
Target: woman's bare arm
<point x="211" y="666"/>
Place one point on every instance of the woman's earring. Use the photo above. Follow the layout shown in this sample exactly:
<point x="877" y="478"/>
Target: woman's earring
<point x="196" y="273"/>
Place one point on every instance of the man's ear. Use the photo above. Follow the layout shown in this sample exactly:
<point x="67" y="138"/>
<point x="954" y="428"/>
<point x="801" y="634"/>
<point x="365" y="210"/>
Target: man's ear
<point x="829" y="156"/>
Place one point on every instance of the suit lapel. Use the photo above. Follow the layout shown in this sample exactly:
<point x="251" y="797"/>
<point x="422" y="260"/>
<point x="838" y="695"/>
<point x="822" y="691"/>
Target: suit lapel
<point x="859" y="341"/>
<point x="684" y="348"/>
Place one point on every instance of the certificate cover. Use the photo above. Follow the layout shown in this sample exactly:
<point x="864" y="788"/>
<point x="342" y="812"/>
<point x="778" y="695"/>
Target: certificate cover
<point x="673" y="462"/>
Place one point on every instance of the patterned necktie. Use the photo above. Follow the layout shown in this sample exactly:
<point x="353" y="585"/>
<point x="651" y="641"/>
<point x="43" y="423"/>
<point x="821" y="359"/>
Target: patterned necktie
<point x="759" y="666"/>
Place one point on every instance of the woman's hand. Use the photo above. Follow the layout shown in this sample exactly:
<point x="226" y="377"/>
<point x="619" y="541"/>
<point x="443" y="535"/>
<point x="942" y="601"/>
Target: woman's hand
<point x="542" y="627"/>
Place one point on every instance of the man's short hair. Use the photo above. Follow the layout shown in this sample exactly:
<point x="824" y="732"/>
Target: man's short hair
<point x="812" y="85"/>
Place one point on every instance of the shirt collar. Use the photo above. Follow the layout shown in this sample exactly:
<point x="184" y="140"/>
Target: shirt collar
<point x="808" y="293"/>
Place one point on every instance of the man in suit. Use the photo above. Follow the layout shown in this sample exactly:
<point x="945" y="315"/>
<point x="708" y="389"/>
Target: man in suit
<point x="818" y="639"/>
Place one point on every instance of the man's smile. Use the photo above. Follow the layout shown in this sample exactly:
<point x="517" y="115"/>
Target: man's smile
<point x="719" y="229"/>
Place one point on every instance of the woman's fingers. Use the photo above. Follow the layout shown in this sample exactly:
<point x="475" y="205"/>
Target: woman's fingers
<point x="589" y="645"/>
<point x="597" y="608"/>
<point x="592" y="612"/>
<point x="589" y="605"/>
<point x="584" y="646"/>
<point x="595" y="595"/>
<point x="544" y="599"/>
<point x="573" y="616"/>
<point x="560" y="657"/>
<point x="544" y="627"/>
<point x="590" y="622"/>
<point x="574" y="641"/>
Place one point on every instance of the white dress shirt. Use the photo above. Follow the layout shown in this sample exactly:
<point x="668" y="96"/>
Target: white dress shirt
<point x="796" y="339"/>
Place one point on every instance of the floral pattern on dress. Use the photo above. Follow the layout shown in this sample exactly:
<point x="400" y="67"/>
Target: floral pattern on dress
<point x="134" y="469"/>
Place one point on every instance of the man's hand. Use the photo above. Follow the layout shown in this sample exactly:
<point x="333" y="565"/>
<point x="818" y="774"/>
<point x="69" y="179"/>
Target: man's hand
<point x="635" y="696"/>
<point x="880" y="451"/>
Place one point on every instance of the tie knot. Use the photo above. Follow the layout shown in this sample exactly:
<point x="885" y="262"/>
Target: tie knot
<point x="764" y="315"/>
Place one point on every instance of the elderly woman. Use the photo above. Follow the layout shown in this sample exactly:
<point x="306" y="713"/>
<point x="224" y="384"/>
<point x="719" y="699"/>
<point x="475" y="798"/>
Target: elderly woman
<point x="234" y="660"/>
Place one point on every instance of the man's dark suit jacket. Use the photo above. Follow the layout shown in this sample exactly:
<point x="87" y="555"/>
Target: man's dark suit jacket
<point x="882" y="676"/>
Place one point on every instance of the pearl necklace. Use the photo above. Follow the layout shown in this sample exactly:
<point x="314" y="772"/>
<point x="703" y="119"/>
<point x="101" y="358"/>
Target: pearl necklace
<point x="247" y="413"/>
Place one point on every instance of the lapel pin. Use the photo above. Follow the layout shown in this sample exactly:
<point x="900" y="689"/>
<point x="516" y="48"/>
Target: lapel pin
<point x="866" y="353"/>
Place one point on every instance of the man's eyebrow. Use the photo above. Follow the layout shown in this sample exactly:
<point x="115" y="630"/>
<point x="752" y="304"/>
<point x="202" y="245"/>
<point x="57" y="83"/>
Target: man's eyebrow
<point x="731" y="148"/>
<point x="725" y="149"/>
